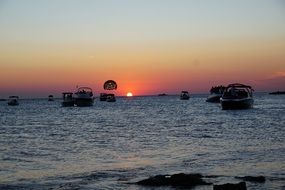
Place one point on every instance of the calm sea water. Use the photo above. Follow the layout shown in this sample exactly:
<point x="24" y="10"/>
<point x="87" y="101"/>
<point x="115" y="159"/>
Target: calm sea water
<point x="111" y="145"/>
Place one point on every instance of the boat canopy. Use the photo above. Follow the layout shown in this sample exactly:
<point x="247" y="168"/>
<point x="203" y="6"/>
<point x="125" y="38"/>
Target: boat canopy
<point x="86" y="89"/>
<point x="238" y="85"/>
<point x="67" y="93"/>
<point x="17" y="97"/>
<point x="217" y="89"/>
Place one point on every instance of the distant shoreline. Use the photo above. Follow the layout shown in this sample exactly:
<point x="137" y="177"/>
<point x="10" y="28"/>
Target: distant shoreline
<point x="277" y="92"/>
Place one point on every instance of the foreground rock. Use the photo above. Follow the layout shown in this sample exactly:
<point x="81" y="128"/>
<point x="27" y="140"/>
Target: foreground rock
<point x="258" y="179"/>
<point x="185" y="180"/>
<point x="231" y="186"/>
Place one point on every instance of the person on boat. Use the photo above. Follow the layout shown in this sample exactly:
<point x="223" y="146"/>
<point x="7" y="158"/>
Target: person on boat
<point x="233" y="91"/>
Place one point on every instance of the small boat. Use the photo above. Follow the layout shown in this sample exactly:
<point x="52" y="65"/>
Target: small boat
<point x="111" y="98"/>
<point x="216" y="94"/>
<point x="50" y="98"/>
<point x="13" y="101"/>
<point x="237" y="96"/>
<point x="184" y="95"/>
<point x="84" y="97"/>
<point x="163" y="94"/>
<point x="103" y="96"/>
<point x="277" y="93"/>
<point x="68" y="100"/>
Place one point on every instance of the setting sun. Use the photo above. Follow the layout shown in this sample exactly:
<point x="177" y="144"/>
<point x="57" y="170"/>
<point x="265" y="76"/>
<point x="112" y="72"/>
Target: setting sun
<point x="129" y="94"/>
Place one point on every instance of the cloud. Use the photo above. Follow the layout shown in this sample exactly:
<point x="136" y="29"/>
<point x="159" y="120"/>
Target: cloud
<point x="277" y="74"/>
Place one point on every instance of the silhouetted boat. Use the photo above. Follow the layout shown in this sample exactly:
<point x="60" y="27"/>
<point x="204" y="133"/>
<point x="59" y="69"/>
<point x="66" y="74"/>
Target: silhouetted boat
<point x="237" y="96"/>
<point x="111" y="98"/>
<point x="103" y="96"/>
<point x="216" y="94"/>
<point x="163" y="94"/>
<point x="277" y="93"/>
<point x="84" y="97"/>
<point x="184" y="95"/>
<point x="50" y="98"/>
<point x="13" y="101"/>
<point x="68" y="100"/>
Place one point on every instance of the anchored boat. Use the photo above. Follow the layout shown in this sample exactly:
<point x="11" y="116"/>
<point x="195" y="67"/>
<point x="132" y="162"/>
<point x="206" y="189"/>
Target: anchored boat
<point x="103" y="96"/>
<point x="50" y="98"/>
<point x="184" y="95"/>
<point x="68" y="100"/>
<point x="216" y="94"/>
<point x="111" y="98"/>
<point x="13" y="100"/>
<point x="237" y="96"/>
<point x="84" y="97"/>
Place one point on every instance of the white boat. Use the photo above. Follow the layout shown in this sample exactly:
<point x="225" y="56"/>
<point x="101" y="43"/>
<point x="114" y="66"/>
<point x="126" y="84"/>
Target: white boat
<point x="184" y="95"/>
<point x="216" y="94"/>
<point x="68" y="100"/>
<point x="84" y="97"/>
<point x="237" y="96"/>
<point x="13" y="101"/>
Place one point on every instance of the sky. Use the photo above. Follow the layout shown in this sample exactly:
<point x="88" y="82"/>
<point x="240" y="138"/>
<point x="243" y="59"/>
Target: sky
<point x="146" y="46"/>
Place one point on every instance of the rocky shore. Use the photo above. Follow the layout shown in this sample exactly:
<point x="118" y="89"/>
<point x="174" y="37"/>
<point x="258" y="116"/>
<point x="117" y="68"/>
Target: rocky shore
<point x="192" y="180"/>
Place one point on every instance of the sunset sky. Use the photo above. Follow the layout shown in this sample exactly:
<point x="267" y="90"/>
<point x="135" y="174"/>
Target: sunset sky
<point x="147" y="46"/>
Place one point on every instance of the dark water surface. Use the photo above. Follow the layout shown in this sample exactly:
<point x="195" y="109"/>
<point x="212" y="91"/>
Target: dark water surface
<point x="110" y="145"/>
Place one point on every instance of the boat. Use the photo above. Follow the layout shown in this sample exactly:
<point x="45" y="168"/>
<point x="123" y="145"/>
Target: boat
<point x="83" y="97"/>
<point x="237" y="96"/>
<point x="216" y="94"/>
<point x="13" y="100"/>
<point x="163" y="94"/>
<point x="103" y="96"/>
<point x="68" y="100"/>
<point x="184" y="95"/>
<point x="50" y="98"/>
<point x="111" y="98"/>
<point x="277" y="93"/>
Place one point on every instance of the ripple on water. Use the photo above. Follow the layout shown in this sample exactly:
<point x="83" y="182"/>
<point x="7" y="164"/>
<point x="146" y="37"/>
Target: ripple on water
<point x="45" y="146"/>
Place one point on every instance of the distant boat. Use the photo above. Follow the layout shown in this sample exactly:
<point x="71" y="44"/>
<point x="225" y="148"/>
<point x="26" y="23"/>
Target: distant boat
<point x="13" y="100"/>
<point x="216" y="94"/>
<point x="277" y="93"/>
<point x="103" y="96"/>
<point x="50" y="98"/>
<point x="84" y="97"/>
<point x="184" y="95"/>
<point x="68" y="100"/>
<point x="237" y="96"/>
<point x="111" y="98"/>
<point x="163" y="94"/>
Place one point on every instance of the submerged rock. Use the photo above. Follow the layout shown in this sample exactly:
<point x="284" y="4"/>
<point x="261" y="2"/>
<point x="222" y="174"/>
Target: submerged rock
<point x="180" y="179"/>
<point x="258" y="179"/>
<point x="231" y="186"/>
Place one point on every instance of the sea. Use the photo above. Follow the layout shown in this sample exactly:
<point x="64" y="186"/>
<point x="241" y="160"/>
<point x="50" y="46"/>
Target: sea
<point x="112" y="145"/>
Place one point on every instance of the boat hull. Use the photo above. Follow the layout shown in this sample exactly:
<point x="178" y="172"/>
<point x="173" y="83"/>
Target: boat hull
<point x="214" y="98"/>
<point x="13" y="103"/>
<point x="245" y="103"/>
<point x="84" y="102"/>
